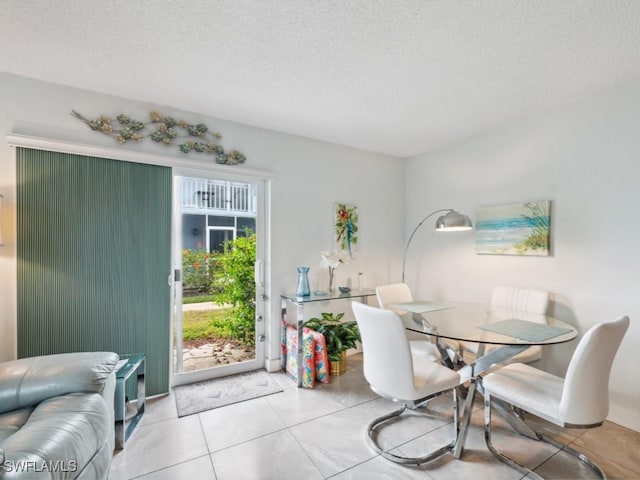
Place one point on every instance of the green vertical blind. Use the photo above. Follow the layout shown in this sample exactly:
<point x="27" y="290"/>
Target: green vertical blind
<point x="94" y="247"/>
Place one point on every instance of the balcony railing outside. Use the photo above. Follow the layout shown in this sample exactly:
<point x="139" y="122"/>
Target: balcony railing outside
<point x="214" y="196"/>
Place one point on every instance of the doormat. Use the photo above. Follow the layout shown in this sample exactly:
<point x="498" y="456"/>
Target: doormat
<point x="210" y="394"/>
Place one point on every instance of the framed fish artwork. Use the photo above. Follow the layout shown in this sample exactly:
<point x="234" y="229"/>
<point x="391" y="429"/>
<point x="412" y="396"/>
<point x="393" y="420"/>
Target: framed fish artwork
<point x="346" y="228"/>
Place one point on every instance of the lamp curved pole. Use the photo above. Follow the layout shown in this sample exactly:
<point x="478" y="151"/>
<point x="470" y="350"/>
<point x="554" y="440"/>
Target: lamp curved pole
<point x="1" y="237"/>
<point x="406" y="249"/>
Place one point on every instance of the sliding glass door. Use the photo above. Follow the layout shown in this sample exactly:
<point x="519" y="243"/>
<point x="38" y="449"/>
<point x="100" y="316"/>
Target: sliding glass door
<point x="218" y="306"/>
<point x="140" y="258"/>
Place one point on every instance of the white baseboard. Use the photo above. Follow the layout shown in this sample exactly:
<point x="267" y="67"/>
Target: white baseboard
<point x="626" y="418"/>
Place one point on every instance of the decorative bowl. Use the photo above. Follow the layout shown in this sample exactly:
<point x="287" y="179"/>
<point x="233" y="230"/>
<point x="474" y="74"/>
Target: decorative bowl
<point x="344" y="289"/>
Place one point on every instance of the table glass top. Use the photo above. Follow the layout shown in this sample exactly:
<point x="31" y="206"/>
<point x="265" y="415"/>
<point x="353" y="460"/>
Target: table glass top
<point x="127" y="363"/>
<point x="324" y="296"/>
<point x="486" y="324"/>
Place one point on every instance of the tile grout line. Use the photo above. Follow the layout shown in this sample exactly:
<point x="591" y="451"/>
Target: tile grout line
<point x="206" y="443"/>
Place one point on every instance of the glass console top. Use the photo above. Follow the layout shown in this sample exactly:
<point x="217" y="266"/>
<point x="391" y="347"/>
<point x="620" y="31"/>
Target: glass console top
<point x="324" y="296"/>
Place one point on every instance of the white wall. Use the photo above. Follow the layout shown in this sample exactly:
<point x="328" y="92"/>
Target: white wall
<point x="585" y="158"/>
<point x="309" y="177"/>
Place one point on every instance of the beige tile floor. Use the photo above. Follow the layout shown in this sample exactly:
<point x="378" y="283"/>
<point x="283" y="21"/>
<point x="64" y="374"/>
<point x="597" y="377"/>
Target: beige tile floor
<point x="320" y="433"/>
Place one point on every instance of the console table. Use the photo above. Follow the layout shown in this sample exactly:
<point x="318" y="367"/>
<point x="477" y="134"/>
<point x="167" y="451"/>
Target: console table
<point x="299" y="304"/>
<point x="128" y="412"/>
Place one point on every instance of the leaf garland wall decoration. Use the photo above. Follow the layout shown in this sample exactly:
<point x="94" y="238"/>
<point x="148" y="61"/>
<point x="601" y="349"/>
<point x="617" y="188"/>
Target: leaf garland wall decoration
<point x="165" y="130"/>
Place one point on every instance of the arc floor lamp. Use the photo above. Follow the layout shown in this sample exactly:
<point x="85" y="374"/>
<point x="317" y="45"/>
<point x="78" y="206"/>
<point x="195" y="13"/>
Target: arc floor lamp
<point x="1" y="237"/>
<point x="451" y="221"/>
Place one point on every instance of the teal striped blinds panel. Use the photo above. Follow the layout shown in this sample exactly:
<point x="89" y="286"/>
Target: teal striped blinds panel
<point x="94" y="245"/>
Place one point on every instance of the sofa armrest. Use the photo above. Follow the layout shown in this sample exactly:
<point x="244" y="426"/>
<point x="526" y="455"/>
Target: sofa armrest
<point x="28" y="381"/>
<point x="108" y="393"/>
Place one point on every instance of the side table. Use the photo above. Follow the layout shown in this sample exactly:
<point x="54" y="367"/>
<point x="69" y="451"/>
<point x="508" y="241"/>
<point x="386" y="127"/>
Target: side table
<point x="128" y="412"/>
<point x="299" y="303"/>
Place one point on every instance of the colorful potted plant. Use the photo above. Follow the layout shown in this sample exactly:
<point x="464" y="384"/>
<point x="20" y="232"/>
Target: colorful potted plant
<point x="339" y="336"/>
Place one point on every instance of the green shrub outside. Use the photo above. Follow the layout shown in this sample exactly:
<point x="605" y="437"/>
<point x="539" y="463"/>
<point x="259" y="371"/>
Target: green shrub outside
<point x="197" y="269"/>
<point x="234" y="285"/>
<point x="226" y="278"/>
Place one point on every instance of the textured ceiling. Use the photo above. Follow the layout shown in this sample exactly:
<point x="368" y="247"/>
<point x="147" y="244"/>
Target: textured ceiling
<point x="391" y="76"/>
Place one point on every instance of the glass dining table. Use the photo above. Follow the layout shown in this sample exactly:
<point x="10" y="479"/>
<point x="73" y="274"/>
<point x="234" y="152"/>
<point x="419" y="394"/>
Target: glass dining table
<point x="509" y="331"/>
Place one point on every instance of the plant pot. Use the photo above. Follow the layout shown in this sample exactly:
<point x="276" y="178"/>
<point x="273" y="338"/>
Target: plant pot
<point x="339" y="367"/>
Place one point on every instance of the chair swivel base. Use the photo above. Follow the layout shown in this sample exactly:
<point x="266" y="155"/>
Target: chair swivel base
<point x="372" y="435"/>
<point x="539" y="436"/>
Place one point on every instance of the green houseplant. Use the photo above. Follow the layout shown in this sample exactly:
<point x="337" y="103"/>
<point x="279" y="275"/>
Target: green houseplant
<point x="339" y="336"/>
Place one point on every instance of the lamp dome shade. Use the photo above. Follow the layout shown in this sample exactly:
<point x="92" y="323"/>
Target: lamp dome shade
<point x="453" y="221"/>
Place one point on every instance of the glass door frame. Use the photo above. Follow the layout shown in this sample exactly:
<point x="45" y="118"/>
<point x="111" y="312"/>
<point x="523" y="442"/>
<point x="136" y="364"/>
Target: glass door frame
<point x="261" y="272"/>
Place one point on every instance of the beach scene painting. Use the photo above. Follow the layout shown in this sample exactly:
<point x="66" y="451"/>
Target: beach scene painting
<point x="514" y="229"/>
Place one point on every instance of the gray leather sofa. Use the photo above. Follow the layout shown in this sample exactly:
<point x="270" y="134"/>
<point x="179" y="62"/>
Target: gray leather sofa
<point x="56" y="416"/>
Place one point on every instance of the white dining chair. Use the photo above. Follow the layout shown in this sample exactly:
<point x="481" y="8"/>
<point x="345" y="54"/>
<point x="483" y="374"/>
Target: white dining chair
<point x="522" y="301"/>
<point x="401" y="293"/>
<point x="394" y="372"/>
<point x="580" y="400"/>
